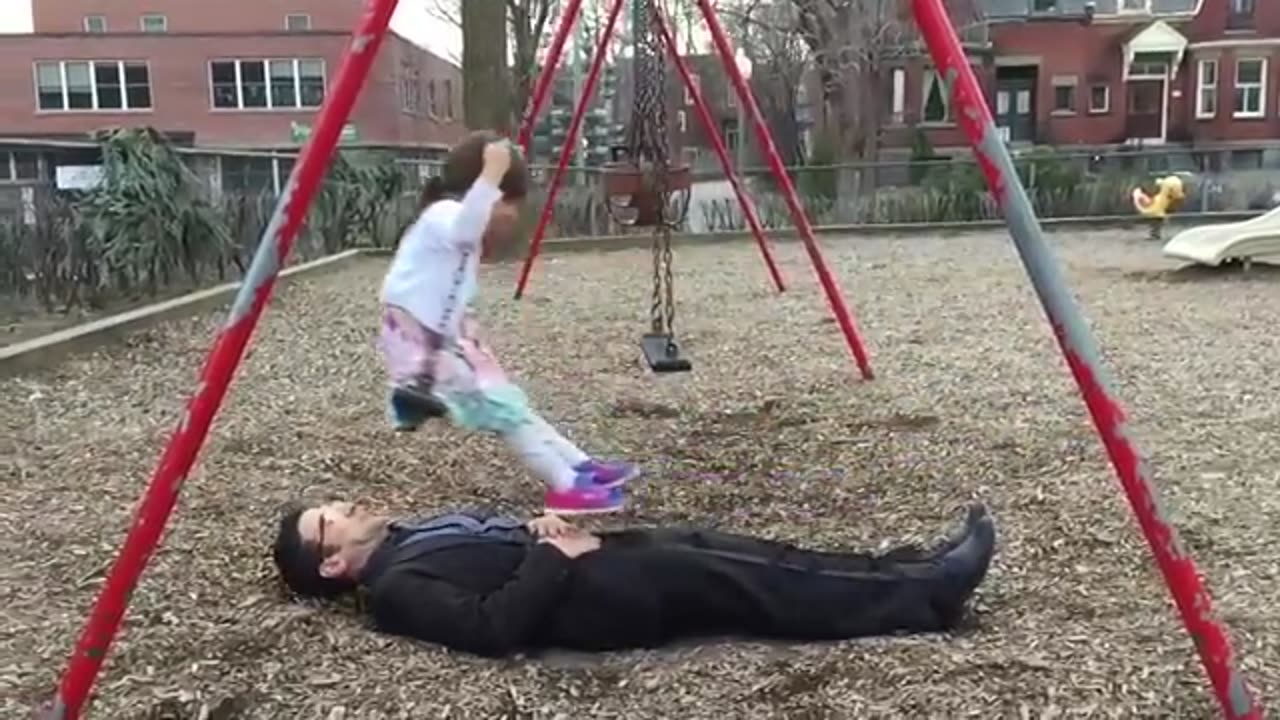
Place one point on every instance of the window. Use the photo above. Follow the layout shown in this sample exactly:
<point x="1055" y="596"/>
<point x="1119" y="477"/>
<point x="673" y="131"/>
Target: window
<point x="433" y="106"/>
<point x="154" y="23"/>
<point x="1207" y="88"/>
<point x="19" y="166"/>
<point x="1135" y="6"/>
<point x="95" y="23"/>
<point x="1044" y="6"/>
<point x="696" y="81"/>
<point x="1240" y="15"/>
<point x="682" y="121"/>
<point x="267" y="84"/>
<point x="898" y="95"/>
<point x="297" y="22"/>
<point x="936" y="105"/>
<point x="1099" y="99"/>
<point x="731" y="96"/>
<point x="1064" y="95"/>
<point x="410" y="89"/>
<point x="92" y="85"/>
<point x="255" y="174"/>
<point x="1246" y="159"/>
<point x="448" y="99"/>
<point x="1148" y="69"/>
<point x="1251" y="87"/>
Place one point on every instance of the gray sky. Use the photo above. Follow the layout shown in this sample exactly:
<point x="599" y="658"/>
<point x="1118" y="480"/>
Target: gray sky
<point x="411" y="20"/>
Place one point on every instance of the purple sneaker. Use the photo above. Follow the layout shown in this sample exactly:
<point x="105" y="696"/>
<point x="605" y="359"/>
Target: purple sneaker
<point x="609" y="474"/>
<point x="586" y="500"/>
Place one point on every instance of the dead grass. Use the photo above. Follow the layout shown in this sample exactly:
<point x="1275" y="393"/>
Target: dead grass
<point x="770" y="434"/>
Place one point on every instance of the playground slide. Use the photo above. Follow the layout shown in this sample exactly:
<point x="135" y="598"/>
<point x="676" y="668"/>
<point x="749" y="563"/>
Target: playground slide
<point x="1253" y="239"/>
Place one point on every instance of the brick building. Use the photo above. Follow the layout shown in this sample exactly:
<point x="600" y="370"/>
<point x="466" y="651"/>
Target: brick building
<point x="1143" y="72"/>
<point x="207" y="74"/>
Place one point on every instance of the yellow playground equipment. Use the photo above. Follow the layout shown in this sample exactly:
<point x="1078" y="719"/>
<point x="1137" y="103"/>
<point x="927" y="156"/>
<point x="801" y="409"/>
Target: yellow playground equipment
<point x="1167" y="199"/>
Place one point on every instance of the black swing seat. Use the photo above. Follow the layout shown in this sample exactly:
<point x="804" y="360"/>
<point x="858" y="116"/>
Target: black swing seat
<point x="663" y="354"/>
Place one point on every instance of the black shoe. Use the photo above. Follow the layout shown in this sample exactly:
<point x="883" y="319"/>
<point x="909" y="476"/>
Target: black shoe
<point x="915" y="555"/>
<point x="411" y="406"/>
<point x="961" y="564"/>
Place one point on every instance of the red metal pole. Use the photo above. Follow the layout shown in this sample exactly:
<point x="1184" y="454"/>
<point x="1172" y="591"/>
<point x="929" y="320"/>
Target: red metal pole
<point x="224" y="358"/>
<point x="542" y="87"/>
<point x="566" y="151"/>
<point x="1084" y="359"/>
<point x="834" y="297"/>
<point x="717" y="142"/>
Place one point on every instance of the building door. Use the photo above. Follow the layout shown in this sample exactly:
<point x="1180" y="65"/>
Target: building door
<point x="1015" y="104"/>
<point x="1145" y="118"/>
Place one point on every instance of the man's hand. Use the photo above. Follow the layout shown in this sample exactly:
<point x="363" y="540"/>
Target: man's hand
<point x="549" y="526"/>
<point x="574" y="544"/>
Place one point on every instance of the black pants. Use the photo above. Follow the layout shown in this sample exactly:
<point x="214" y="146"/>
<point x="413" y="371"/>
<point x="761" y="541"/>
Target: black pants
<point x="649" y="587"/>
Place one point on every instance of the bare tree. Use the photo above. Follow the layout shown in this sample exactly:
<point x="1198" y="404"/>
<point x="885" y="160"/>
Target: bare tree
<point x="766" y="32"/>
<point x="529" y="24"/>
<point x="853" y="43"/>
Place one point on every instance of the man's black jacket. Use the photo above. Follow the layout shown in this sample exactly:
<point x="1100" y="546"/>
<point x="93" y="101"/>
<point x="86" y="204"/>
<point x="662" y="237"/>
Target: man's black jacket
<point x="497" y="593"/>
<point x="496" y="597"/>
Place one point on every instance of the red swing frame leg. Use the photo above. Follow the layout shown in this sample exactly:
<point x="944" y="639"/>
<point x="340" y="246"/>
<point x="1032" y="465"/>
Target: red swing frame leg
<point x="542" y="87"/>
<point x="830" y="288"/>
<point x="571" y="139"/>
<point x="1084" y="360"/>
<point x="161" y="494"/>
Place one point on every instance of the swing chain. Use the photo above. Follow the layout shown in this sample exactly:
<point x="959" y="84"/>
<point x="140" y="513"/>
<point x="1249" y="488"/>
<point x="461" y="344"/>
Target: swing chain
<point x="650" y="142"/>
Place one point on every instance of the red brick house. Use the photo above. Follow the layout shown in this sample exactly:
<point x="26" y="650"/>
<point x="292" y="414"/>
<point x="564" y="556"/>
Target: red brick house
<point x="688" y="135"/>
<point x="208" y="74"/>
<point x="1141" y="72"/>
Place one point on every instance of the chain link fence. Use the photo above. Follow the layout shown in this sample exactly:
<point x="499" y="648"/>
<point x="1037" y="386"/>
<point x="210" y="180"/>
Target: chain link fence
<point x="64" y="244"/>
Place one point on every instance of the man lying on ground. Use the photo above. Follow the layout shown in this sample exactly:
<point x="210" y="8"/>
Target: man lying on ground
<point x="494" y="586"/>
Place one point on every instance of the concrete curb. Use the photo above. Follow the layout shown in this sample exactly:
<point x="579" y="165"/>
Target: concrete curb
<point x="47" y="350"/>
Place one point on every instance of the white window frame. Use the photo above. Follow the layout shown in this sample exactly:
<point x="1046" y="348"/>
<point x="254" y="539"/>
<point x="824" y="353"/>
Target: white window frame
<point x="1065" y="81"/>
<point x="696" y="80"/>
<point x="9" y="159"/>
<point x="279" y="178"/>
<point x="164" y="22"/>
<point x="682" y="120"/>
<point x="1207" y="110"/>
<point x="898" y="104"/>
<point x="448" y="98"/>
<point x="266" y="61"/>
<point x="948" y="117"/>
<point x="1260" y="86"/>
<point x="291" y="16"/>
<point x="93" y="86"/>
<point x="1106" y="97"/>
<point x="88" y="22"/>
<point x="410" y="89"/>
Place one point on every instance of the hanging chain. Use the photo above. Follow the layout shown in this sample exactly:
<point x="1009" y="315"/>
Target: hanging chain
<point x="650" y="147"/>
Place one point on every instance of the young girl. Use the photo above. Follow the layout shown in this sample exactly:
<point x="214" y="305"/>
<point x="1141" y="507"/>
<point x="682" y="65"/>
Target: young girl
<point x="438" y="364"/>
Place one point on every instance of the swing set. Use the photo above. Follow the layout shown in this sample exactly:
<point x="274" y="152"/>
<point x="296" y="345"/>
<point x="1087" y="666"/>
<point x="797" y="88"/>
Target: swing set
<point x="642" y="187"/>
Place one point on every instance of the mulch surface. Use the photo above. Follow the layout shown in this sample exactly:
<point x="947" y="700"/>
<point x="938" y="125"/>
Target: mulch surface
<point x="771" y="434"/>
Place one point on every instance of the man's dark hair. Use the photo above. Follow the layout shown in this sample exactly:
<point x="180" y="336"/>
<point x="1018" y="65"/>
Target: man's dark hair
<point x="299" y="561"/>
